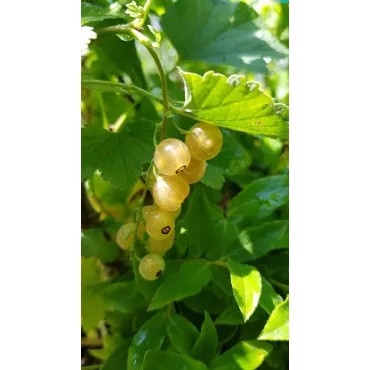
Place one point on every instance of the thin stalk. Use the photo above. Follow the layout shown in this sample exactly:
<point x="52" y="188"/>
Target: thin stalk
<point x="162" y="75"/>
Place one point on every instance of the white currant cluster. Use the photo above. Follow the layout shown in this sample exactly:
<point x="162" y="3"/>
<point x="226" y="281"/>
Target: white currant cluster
<point x="177" y="164"/>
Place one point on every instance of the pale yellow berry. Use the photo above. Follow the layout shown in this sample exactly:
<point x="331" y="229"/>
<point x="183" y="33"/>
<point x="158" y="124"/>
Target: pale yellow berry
<point x="125" y="235"/>
<point x="146" y="210"/>
<point x="151" y="266"/>
<point x="176" y="213"/>
<point x="169" y="192"/>
<point x="171" y="157"/>
<point x="195" y="170"/>
<point x="160" y="246"/>
<point x="204" y="141"/>
<point x="160" y="225"/>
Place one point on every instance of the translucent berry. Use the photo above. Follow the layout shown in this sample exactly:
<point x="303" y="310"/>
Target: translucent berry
<point x="146" y="210"/>
<point x="204" y="141"/>
<point x="195" y="170"/>
<point x="171" y="157"/>
<point x="125" y="235"/>
<point x="170" y="191"/>
<point x="160" y="246"/>
<point x="151" y="266"/>
<point x="160" y="225"/>
<point x="176" y="213"/>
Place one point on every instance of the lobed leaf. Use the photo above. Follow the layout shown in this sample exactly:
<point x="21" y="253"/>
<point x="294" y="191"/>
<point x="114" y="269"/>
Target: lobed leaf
<point x="220" y="32"/>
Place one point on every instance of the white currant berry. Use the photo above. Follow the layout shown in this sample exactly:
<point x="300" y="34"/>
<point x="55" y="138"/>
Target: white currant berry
<point x="160" y="246"/>
<point x="204" y="141"/>
<point x="171" y="157"/>
<point x="169" y="192"/>
<point x="125" y="235"/>
<point x="160" y="225"/>
<point x="195" y="170"/>
<point x="151" y="266"/>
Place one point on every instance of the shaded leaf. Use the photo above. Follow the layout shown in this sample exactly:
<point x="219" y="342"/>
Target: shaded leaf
<point x="246" y="355"/>
<point x="259" y="199"/>
<point x="269" y="298"/>
<point x="213" y="177"/>
<point x="182" y="333"/>
<point x="123" y="297"/>
<point x="277" y="326"/>
<point x="201" y="221"/>
<point x="205" y="348"/>
<point x="228" y="37"/>
<point x="118" y="357"/>
<point x="119" y="156"/>
<point x="221" y="278"/>
<point x="150" y="336"/>
<point x="231" y="316"/>
<point x="163" y="360"/>
<point x="246" y="283"/>
<point x="95" y="244"/>
<point x="191" y="278"/>
<point x="234" y="103"/>
<point x="93" y="13"/>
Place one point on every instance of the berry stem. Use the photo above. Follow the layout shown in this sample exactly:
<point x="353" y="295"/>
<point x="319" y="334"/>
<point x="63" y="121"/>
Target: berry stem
<point x="178" y="128"/>
<point x="162" y="75"/>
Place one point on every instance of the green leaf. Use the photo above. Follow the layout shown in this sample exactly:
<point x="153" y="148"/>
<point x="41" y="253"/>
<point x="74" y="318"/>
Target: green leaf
<point x="200" y="222"/>
<point x="277" y="326"/>
<point x="246" y="355"/>
<point x="233" y="103"/>
<point x="259" y="199"/>
<point x="123" y="297"/>
<point x="227" y="239"/>
<point x="269" y="298"/>
<point x="258" y="241"/>
<point x="118" y="358"/>
<point x="221" y="33"/>
<point x="119" y="156"/>
<point x="189" y="281"/>
<point x="206" y="300"/>
<point x="92" y="304"/>
<point x="221" y="278"/>
<point x="205" y="348"/>
<point x="213" y="177"/>
<point x="92" y="13"/>
<point x="255" y="242"/>
<point x="163" y="360"/>
<point x="122" y="56"/>
<point x="95" y="244"/>
<point x="231" y="316"/>
<point x="182" y="333"/>
<point x="150" y="336"/>
<point x="232" y="159"/>
<point x="246" y="283"/>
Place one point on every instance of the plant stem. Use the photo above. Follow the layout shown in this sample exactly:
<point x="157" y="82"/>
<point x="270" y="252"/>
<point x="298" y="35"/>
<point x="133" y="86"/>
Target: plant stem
<point x="178" y="128"/>
<point x="162" y="75"/>
<point x="103" y="114"/>
<point x="128" y="89"/>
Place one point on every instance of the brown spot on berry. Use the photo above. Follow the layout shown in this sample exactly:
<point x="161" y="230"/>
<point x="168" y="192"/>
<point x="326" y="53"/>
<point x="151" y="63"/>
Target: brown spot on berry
<point x="166" y="230"/>
<point x="182" y="168"/>
<point x="159" y="273"/>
